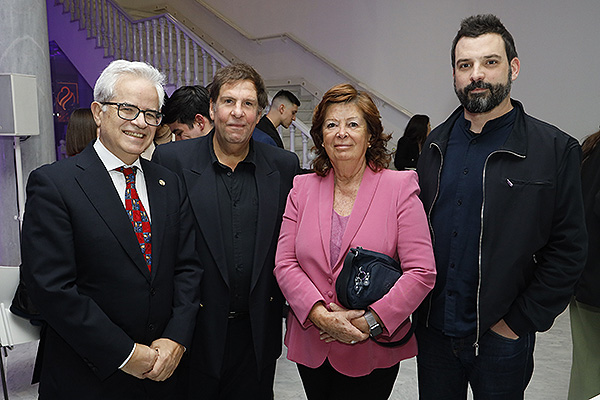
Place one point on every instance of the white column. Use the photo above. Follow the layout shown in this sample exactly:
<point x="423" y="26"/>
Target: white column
<point x="23" y="50"/>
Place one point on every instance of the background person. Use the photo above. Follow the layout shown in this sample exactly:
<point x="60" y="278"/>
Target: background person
<point x="585" y="306"/>
<point x="81" y="130"/>
<point x="284" y="108"/>
<point x="186" y="112"/>
<point x="352" y="200"/>
<point x="410" y="144"/>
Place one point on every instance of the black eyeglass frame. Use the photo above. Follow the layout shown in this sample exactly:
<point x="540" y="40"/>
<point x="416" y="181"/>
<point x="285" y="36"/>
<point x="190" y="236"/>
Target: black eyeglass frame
<point x="159" y="115"/>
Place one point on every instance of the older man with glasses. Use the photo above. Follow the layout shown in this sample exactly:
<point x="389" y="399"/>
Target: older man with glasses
<point x="108" y="254"/>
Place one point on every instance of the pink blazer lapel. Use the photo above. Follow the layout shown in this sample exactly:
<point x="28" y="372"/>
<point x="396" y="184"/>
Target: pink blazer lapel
<point x="325" y="212"/>
<point x="364" y="198"/>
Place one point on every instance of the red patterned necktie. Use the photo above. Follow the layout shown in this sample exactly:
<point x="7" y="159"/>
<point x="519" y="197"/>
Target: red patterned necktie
<point x="137" y="215"/>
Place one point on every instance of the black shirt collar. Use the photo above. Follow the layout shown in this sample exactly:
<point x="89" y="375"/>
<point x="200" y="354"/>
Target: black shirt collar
<point x="493" y="125"/>
<point x="250" y="157"/>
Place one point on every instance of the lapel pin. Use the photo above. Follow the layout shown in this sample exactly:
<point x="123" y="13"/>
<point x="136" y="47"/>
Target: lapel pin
<point x="161" y="182"/>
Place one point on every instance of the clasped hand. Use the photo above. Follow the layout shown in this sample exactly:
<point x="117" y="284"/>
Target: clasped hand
<point x="337" y="323"/>
<point x="157" y="361"/>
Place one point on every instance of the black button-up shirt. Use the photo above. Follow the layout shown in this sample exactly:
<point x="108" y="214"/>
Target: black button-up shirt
<point x="238" y="211"/>
<point x="456" y="222"/>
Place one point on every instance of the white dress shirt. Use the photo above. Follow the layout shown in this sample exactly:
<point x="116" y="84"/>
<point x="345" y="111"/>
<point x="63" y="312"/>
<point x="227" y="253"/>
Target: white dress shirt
<point x="111" y="163"/>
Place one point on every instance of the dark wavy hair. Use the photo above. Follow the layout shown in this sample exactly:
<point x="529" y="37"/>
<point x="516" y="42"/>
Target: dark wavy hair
<point x="378" y="157"/>
<point x="235" y="73"/>
<point x="478" y="25"/>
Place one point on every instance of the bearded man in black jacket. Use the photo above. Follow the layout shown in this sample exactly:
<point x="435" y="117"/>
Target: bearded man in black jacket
<point x="503" y="196"/>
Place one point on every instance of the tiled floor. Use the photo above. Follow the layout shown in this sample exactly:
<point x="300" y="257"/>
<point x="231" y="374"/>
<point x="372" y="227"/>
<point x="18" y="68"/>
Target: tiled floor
<point x="550" y="378"/>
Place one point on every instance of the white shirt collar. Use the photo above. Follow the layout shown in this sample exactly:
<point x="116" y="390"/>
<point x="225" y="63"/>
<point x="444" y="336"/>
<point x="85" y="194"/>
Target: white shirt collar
<point x="110" y="161"/>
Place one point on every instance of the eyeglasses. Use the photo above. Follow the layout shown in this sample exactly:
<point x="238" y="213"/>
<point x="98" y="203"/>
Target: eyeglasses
<point x="130" y="112"/>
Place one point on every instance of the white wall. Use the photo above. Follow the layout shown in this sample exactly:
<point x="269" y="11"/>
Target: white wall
<point x="401" y="49"/>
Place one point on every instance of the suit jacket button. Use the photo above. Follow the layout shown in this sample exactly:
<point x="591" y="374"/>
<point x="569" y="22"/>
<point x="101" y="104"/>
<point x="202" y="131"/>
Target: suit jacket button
<point x="330" y="293"/>
<point x="271" y="298"/>
<point x="151" y="327"/>
<point x="152" y="291"/>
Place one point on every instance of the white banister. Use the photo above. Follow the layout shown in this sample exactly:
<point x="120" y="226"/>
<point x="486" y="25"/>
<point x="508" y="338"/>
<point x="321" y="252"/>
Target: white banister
<point x="98" y="31"/>
<point x="178" y="52"/>
<point x="116" y="47"/>
<point x="157" y="40"/>
<point x="292" y="138"/>
<point x="195" y="64"/>
<point x="186" y="40"/>
<point x="163" y="53"/>
<point x="204" y="67"/>
<point x="148" y="53"/>
<point x="171" y="77"/>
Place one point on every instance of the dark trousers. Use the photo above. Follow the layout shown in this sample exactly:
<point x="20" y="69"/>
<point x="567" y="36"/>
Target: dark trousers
<point x="325" y="383"/>
<point x="446" y="365"/>
<point x="240" y="378"/>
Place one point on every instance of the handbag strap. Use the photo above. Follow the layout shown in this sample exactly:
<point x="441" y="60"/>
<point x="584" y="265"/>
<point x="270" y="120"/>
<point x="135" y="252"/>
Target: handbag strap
<point x="402" y="341"/>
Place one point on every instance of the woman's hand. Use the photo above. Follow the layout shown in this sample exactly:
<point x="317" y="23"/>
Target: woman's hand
<point x="336" y="323"/>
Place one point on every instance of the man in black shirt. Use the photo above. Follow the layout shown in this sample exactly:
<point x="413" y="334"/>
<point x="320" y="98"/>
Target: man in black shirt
<point x="283" y="112"/>
<point x="238" y="189"/>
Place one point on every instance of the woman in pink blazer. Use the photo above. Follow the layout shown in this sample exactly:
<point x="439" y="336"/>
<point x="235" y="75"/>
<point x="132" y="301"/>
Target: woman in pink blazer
<point x="351" y="200"/>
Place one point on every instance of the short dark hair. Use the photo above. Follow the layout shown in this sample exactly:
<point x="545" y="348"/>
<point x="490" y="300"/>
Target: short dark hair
<point x="239" y="72"/>
<point x="378" y="157"/>
<point x="289" y="96"/>
<point x="185" y="103"/>
<point x="478" y="25"/>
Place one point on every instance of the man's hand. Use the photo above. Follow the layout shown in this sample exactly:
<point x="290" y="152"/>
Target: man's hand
<point x="142" y="361"/>
<point x="169" y="355"/>
<point x="502" y="329"/>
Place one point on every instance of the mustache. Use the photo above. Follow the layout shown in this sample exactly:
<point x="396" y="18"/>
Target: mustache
<point x="478" y="85"/>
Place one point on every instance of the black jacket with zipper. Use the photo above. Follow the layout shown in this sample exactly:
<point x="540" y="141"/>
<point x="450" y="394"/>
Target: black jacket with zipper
<point x="533" y="242"/>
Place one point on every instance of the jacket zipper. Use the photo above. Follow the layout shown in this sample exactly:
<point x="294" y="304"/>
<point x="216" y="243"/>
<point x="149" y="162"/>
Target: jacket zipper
<point x="478" y="327"/>
<point x="437" y="192"/>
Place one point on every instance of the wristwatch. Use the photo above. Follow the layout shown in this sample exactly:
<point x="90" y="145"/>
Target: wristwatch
<point x="374" y="327"/>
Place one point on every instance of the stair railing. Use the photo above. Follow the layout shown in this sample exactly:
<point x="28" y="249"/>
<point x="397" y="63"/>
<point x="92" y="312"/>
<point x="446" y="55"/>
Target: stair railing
<point x="161" y="40"/>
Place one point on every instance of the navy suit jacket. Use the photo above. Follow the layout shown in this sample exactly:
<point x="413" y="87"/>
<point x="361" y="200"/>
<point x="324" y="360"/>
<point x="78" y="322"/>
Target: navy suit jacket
<point x="85" y="272"/>
<point x="275" y="170"/>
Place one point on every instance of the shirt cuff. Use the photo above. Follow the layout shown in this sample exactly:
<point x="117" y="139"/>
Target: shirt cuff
<point x="128" y="357"/>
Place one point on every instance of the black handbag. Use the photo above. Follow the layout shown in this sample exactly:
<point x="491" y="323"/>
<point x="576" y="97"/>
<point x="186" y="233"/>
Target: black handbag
<point x="365" y="278"/>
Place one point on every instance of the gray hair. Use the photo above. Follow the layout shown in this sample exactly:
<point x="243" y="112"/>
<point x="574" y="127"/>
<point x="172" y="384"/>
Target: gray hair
<point x="104" y="89"/>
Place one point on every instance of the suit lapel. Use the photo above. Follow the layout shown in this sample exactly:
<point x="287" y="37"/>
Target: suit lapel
<point x="366" y="193"/>
<point x="268" y="186"/>
<point x="201" y="184"/>
<point x="99" y="188"/>
<point x="157" y="196"/>
<point x="325" y="205"/>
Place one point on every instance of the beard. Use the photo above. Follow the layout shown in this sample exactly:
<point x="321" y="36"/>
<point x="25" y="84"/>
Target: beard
<point x="483" y="102"/>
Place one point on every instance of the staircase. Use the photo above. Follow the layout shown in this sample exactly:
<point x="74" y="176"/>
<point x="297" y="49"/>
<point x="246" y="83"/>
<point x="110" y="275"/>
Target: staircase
<point x="182" y="56"/>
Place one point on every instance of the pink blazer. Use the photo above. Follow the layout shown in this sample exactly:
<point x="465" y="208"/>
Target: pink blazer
<point x="387" y="217"/>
